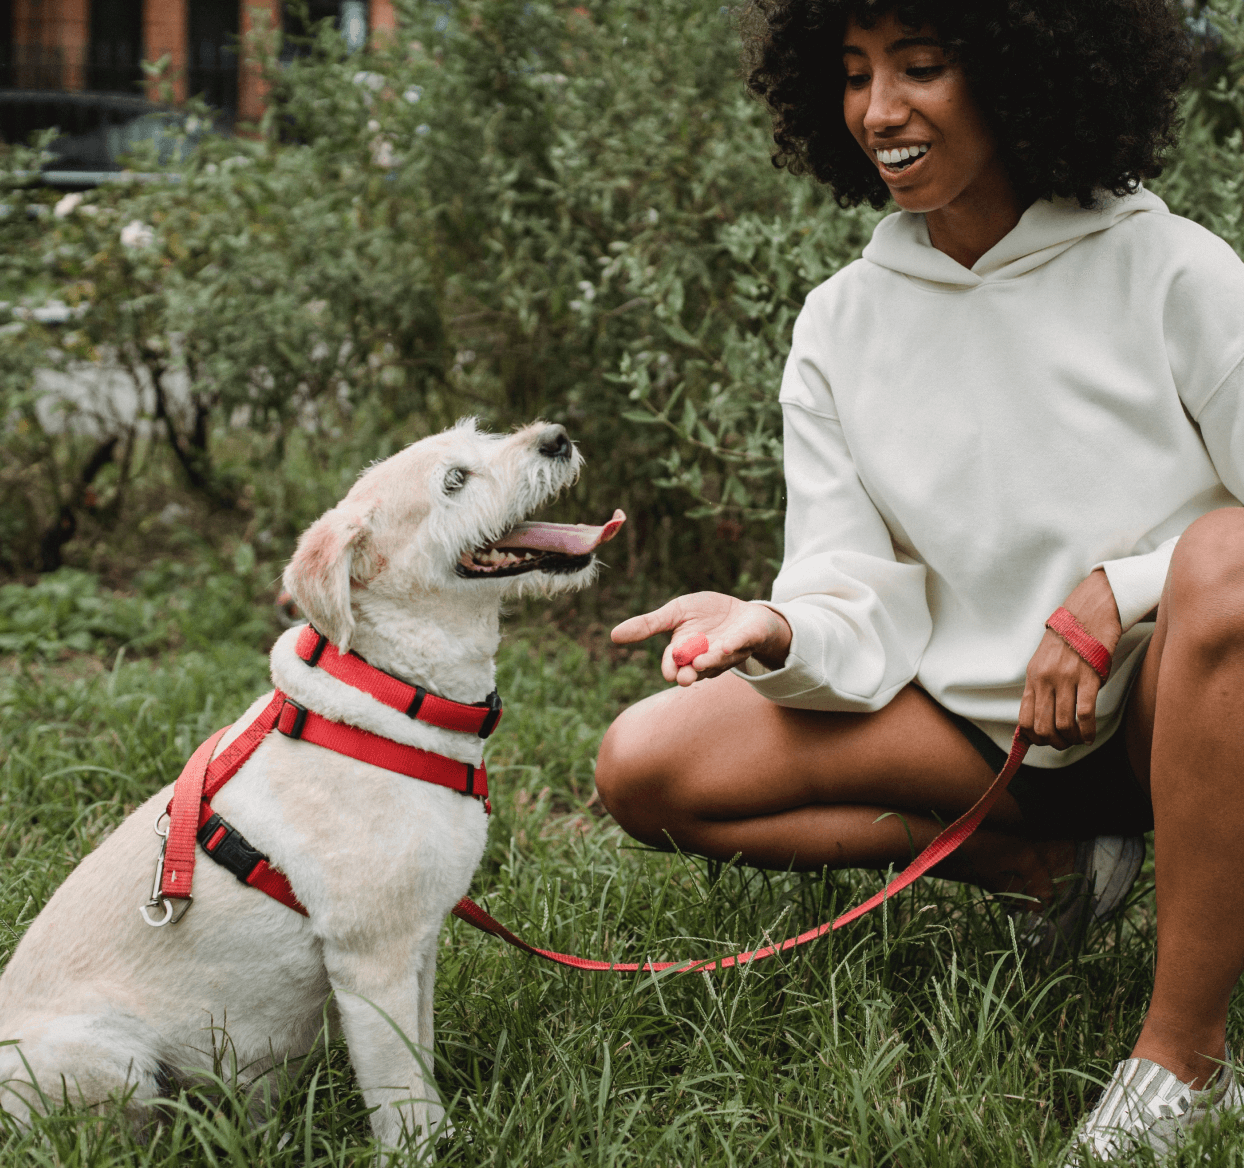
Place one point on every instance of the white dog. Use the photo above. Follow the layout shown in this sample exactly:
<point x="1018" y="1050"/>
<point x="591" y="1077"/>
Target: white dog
<point x="409" y="571"/>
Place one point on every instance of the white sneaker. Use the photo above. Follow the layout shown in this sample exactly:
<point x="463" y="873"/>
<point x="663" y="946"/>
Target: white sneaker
<point x="1103" y="874"/>
<point x="1147" y="1106"/>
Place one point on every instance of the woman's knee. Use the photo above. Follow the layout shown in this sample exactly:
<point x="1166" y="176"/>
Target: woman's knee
<point x="1205" y="586"/>
<point x="630" y="769"/>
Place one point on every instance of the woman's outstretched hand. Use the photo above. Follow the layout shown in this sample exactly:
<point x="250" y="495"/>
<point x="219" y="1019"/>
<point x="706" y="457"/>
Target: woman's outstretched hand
<point x="1059" y="706"/>
<point x="733" y="629"/>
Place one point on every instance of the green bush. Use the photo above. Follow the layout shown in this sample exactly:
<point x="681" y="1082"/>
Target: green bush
<point x="178" y="606"/>
<point x="512" y="209"/>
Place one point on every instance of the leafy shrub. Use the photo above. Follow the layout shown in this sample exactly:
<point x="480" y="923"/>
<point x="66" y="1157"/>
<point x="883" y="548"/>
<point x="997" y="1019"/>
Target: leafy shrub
<point x="179" y="605"/>
<point x="513" y="208"/>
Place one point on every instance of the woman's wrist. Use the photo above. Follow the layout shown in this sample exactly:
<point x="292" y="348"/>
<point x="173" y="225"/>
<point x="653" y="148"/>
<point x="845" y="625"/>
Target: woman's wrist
<point x="775" y="648"/>
<point x="1092" y="603"/>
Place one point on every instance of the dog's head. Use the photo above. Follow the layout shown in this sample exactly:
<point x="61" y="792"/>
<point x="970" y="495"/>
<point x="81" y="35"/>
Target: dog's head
<point x="448" y="515"/>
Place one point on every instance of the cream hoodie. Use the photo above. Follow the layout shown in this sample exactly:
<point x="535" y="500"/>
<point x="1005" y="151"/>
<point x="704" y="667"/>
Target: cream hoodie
<point x="963" y="447"/>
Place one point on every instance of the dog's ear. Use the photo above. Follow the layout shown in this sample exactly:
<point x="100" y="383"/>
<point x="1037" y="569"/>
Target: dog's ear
<point x="337" y="549"/>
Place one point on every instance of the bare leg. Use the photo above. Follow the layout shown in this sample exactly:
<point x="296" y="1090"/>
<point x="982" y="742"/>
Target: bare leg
<point x="719" y="771"/>
<point x="1185" y="735"/>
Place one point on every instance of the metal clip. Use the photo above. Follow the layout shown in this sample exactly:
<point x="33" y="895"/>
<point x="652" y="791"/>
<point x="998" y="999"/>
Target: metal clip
<point x="158" y="901"/>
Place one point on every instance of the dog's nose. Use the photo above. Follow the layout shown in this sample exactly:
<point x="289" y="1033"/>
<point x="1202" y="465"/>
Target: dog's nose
<point x="554" y="443"/>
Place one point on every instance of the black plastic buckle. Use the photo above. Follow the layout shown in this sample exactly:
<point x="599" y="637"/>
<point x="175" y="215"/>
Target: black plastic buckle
<point x="230" y="851"/>
<point x="318" y="651"/>
<point x="493" y="702"/>
<point x="470" y="787"/>
<point x="300" y="719"/>
<point x="412" y="711"/>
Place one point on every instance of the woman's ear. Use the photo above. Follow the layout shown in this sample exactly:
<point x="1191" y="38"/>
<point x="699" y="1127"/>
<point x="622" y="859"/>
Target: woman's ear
<point x="334" y="551"/>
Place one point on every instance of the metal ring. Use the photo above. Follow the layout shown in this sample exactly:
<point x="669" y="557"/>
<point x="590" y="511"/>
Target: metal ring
<point x="168" y="912"/>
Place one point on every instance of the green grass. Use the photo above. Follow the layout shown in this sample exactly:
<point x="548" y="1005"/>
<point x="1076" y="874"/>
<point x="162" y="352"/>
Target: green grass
<point x="921" y="1037"/>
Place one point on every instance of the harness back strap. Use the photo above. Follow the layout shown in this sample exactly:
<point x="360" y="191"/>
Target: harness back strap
<point x="412" y="700"/>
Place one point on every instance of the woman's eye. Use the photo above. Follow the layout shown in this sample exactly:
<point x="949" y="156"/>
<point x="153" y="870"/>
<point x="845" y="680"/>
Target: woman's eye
<point x="455" y="479"/>
<point x="924" y="72"/>
<point x="857" y="80"/>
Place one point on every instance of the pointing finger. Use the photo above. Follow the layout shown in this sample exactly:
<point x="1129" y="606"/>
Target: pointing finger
<point x="638" y="628"/>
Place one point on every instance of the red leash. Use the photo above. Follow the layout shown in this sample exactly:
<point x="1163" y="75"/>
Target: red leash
<point x="950" y="839"/>
<point x="200" y="780"/>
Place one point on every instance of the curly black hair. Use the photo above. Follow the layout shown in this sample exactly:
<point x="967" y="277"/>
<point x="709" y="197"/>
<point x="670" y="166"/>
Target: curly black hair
<point x="1081" y="94"/>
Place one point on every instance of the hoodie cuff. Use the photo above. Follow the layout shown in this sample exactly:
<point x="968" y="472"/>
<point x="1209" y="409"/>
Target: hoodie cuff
<point x="1137" y="581"/>
<point x="796" y="677"/>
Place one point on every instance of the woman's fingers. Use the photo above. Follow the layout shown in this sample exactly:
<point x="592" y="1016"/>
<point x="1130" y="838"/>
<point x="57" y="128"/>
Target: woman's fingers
<point x="1059" y="706"/>
<point x="1086" y="705"/>
<point x="648" y="624"/>
<point x="712" y="632"/>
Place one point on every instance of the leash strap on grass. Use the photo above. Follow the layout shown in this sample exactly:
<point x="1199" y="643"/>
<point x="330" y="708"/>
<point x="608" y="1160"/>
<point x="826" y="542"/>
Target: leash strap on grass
<point x="946" y="843"/>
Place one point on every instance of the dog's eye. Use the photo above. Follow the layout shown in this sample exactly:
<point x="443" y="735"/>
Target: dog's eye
<point x="455" y="479"/>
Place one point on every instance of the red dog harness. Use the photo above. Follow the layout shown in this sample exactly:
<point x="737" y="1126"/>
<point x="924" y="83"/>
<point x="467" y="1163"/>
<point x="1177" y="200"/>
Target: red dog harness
<point x="222" y="842"/>
<point x="190" y="815"/>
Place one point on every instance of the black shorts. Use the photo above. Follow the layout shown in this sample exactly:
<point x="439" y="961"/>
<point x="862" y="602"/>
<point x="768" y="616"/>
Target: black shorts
<point x="1098" y="794"/>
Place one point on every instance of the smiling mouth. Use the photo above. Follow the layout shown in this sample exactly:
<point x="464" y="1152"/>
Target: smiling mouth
<point x="557" y="548"/>
<point x="893" y="160"/>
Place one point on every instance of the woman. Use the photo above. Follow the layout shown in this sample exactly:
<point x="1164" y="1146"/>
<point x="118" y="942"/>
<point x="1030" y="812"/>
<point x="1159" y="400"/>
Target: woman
<point x="1028" y="393"/>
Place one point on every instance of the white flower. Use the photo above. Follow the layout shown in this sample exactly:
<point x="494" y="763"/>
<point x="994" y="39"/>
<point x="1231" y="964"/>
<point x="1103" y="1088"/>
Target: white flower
<point x="413" y="93"/>
<point x="653" y="215"/>
<point x="373" y="125"/>
<point x="422" y="129"/>
<point x="589" y="292"/>
<point x="137" y="234"/>
<point x="382" y="153"/>
<point x="373" y="81"/>
<point x="67" y="204"/>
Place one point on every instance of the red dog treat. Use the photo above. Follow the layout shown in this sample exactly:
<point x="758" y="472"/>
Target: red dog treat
<point x="688" y="650"/>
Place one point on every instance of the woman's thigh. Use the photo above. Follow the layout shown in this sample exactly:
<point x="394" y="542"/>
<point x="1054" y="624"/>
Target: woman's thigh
<point x="718" y="751"/>
<point x="1202" y="608"/>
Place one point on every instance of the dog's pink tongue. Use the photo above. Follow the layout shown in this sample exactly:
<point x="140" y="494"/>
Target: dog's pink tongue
<point x="571" y="539"/>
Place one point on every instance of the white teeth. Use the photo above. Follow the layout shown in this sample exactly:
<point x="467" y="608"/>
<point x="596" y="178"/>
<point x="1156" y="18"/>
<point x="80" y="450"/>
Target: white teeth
<point x="900" y="154"/>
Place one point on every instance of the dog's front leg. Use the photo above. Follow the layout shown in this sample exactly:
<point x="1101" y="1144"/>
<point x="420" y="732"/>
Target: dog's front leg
<point x="381" y="998"/>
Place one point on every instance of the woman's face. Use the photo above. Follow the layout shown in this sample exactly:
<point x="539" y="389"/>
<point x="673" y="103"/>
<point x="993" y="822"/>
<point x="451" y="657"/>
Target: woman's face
<point x="910" y="110"/>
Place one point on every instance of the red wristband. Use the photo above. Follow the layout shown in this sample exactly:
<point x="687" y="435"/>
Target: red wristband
<point x="1082" y="641"/>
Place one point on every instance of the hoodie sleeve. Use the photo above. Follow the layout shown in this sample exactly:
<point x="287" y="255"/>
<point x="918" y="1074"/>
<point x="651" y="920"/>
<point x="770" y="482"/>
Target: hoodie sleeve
<point x="859" y="618"/>
<point x="1221" y="420"/>
<point x="1137" y="581"/>
<point x="1203" y="327"/>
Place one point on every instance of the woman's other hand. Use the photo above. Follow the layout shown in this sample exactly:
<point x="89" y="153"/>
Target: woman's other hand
<point x="733" y="629"/>
<point x="1059" y="707"/>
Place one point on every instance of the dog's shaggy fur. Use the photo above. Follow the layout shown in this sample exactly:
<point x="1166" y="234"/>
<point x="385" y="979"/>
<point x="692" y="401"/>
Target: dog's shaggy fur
<point x="102" y="1005"/>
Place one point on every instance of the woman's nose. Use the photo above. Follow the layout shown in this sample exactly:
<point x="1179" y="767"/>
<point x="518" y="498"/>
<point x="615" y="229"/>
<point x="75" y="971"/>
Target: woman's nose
<point x="887" y="107"/>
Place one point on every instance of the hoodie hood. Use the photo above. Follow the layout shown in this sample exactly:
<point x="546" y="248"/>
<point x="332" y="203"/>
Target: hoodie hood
<point x="1048" y="228"/>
